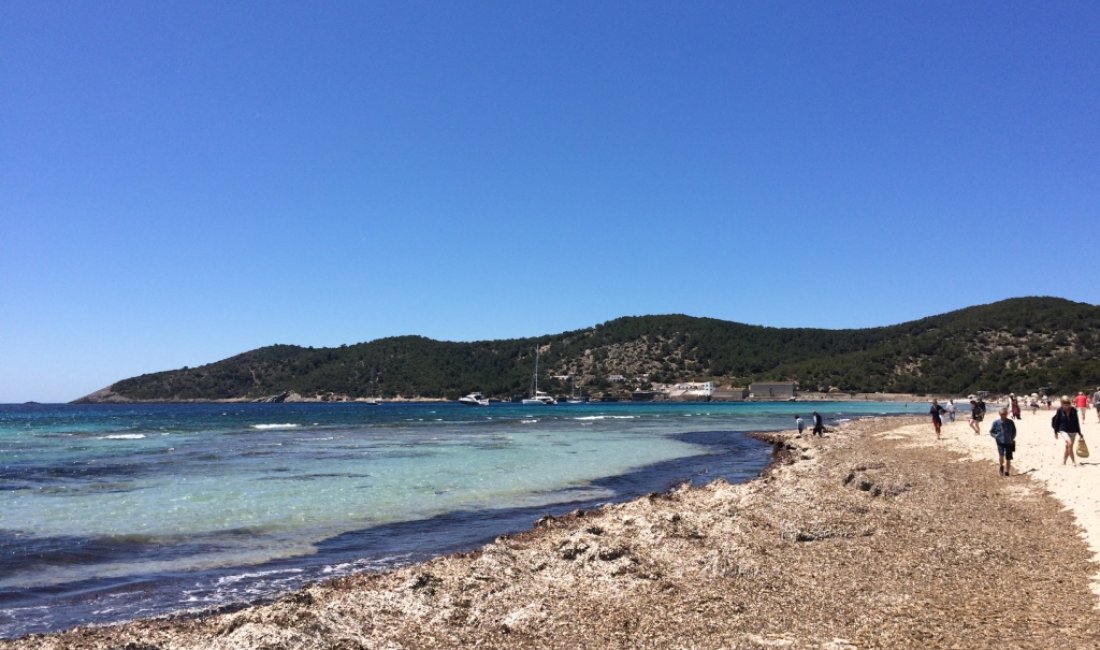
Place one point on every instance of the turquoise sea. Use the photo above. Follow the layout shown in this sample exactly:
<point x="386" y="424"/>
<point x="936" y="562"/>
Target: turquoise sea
<point x="112" y="512"/>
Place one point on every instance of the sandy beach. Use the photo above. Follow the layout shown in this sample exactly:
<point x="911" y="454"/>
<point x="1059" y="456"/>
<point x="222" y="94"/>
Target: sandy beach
<point x="875" y="536"/>
<point x="1039" y="456"/>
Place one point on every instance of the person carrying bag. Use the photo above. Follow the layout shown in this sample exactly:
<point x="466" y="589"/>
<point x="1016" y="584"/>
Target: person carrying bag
<point x="1067" y="428"/>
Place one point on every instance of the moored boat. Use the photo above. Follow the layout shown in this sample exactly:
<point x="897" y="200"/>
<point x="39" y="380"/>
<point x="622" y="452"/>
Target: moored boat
<point x="474" y="399"/>
<point x="573" y="398"/>
<point x="538" y="397"/>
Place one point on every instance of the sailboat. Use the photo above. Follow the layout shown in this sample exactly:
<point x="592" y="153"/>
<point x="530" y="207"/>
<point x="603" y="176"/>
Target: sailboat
<point x="573" y="399"/>
<point x="373" y="399"/>
<point x="538" y="397"/>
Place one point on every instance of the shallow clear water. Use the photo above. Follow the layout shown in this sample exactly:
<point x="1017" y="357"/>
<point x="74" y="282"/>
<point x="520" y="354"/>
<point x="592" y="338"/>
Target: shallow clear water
<point x="108" y="512"/>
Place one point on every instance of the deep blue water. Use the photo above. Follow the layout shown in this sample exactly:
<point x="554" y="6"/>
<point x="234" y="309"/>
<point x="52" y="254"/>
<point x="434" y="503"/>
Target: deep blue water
<point x="111" y="512"/>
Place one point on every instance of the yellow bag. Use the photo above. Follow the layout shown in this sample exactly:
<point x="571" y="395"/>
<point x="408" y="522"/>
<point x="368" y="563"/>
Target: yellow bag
<point x="1082" y="448"/>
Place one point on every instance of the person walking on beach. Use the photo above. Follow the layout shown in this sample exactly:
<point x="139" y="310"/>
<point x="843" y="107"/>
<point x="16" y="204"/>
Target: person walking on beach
<point x="937" y="412"/>
<point x="800" y="423"/>
<point x="819" y="427"/>
<point x="1015" y="406"/>
<point x="1004" y="432"/>
<point x="1066" y="428"/>
<point x="951" y="410"/>
<point x="1096" y="402"/>
<point x="977" y="414"/>
<point x="1082" y="404"/>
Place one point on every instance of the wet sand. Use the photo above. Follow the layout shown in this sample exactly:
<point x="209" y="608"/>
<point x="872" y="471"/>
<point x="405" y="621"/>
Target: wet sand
<point x="873" y="537"/>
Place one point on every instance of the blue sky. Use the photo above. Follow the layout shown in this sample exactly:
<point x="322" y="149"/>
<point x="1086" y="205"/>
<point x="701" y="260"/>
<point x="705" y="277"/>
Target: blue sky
<point x="184" y="181"/>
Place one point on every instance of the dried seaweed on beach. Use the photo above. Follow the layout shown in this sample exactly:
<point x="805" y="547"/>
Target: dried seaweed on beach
<point x="854" y="540"/>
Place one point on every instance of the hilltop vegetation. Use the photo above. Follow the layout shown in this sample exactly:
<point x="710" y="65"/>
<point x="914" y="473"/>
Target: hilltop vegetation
<point x="1021" y="344"/>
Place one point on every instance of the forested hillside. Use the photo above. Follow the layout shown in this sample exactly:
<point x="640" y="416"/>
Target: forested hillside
<point x="1021" y="344"/>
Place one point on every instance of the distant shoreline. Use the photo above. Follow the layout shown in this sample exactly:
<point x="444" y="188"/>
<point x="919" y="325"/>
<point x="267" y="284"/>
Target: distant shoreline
<point x="107" y="396"/>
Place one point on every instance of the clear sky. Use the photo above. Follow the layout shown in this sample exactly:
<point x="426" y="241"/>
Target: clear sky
<point x="184" y="181"/>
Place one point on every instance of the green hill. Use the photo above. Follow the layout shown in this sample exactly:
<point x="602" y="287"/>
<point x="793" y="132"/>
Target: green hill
<point x="1021" y="344"/>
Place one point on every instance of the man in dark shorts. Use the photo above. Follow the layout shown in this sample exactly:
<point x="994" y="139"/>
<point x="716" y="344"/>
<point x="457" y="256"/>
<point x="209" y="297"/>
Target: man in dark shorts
<point x="937" y="412"/>
<point x="1004" y="432"/>
<point x="819" y="427"/>
<point x="977" y="414"/>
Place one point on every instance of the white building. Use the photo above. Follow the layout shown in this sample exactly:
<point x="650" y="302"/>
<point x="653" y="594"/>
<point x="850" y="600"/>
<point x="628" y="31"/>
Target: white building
<point x="694" y="389"/>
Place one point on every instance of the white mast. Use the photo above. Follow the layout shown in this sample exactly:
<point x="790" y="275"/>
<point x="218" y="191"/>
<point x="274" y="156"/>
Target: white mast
<point x="536" y="370"/>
